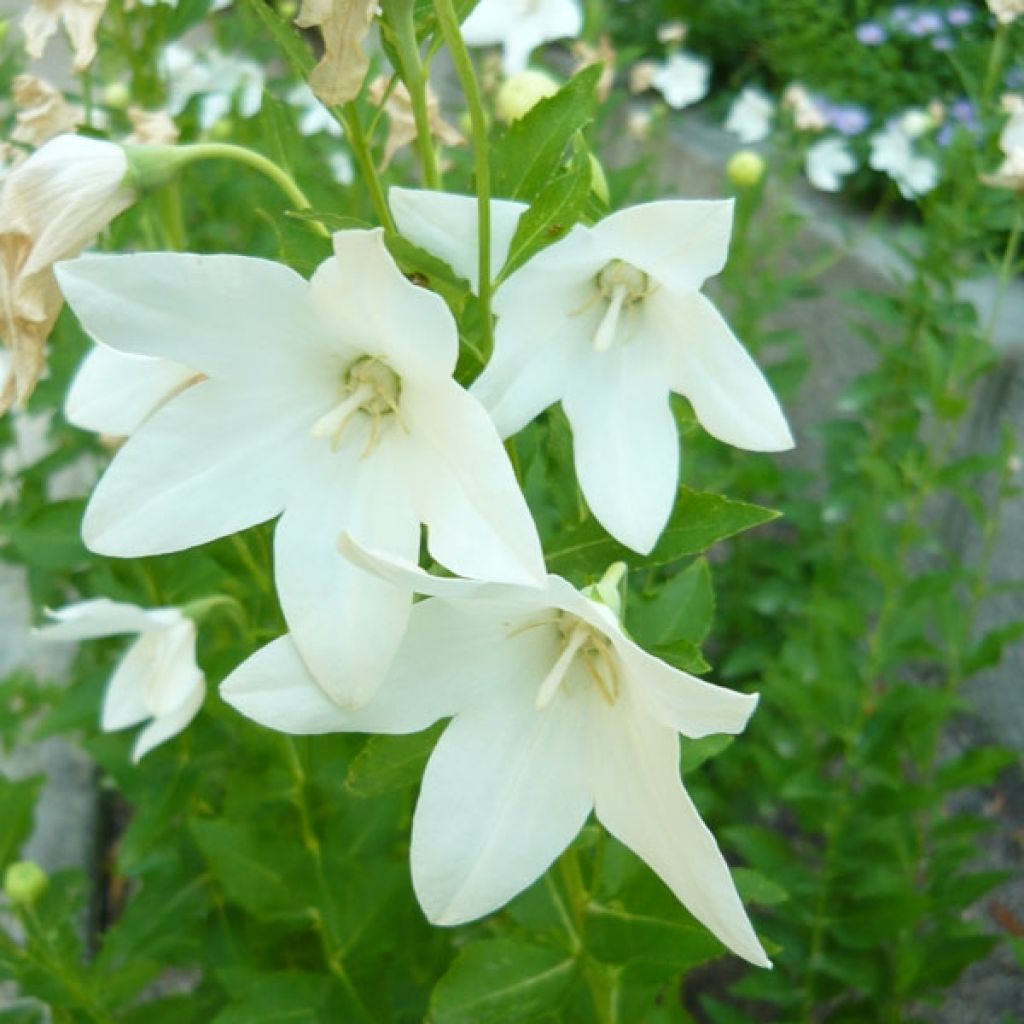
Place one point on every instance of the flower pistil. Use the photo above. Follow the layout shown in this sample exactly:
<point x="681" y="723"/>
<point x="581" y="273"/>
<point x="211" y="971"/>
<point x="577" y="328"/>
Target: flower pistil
<point x="370" y="387"/>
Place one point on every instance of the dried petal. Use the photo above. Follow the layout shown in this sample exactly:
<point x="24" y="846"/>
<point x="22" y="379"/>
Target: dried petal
<point x="344" y="24"/>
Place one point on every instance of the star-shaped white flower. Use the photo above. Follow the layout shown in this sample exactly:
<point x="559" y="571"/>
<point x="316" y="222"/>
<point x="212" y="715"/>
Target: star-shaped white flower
<point x="827" y="162"/>
<point x="682" y="80"/>
<point x="557" y="713"/>
<point x="331" y="401"/>
<point x="750" y="116"/>
<point x="156" y="681"/>
<point x="892" y="151"/>
<point x="218" y="78"/>
<point x="520" y="26"/>
<point x="610" y="320"/>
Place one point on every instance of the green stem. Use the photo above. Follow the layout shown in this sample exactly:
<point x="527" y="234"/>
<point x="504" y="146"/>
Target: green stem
<point x="353" y="126"/>
<point x="333" y="951"/>
<point x="1007" y="267"/>
<point x="994" y="67"/>
<point x="471" y="88"/>
<point x="416" y="83"/>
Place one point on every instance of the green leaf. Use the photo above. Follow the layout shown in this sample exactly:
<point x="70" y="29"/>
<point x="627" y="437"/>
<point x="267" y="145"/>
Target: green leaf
<point x="264" y="997"/>
<point x="680" y="609"/>
<point x="428" y="271"/>
<point x="617" y="935"/>
<point x="17" y="803"/>
<point x="977" y="767"/>
<point x="530" y="150"/>
<point x="700" y="520"/>
<point x="695" y="752"/>
<point x="502" y="981"/>
<point x="50" y="537"/>
<point x="555" y="210"/>
<point x="756" y="888"/>
<point x="292" y="46"/>
<point x="387" y="763"/>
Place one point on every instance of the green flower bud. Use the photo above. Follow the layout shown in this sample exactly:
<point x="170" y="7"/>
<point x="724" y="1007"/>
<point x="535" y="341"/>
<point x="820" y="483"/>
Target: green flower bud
<point x="152" y="166"/>
<point x="598" y="181"/>
<point x="116" y="95"/>
<point x="288" y="9"/>
<point x="745" y="169"/>
<point x="24" y="882"/>
<point x="519" y="94"/>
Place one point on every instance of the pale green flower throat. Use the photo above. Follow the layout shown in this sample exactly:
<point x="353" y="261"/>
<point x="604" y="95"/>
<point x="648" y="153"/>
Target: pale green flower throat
<point x="622" y="286"/>
<point x="370" y="387"/>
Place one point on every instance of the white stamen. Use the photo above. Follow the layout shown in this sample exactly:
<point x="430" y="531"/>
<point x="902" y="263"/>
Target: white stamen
<point x="553" y="680"/>
<point x="607" y="329"/>
<point x="333" y="423"/>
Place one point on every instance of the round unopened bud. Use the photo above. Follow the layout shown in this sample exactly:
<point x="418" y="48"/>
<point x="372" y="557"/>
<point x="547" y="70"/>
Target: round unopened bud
<point x="219" y="131"/>
<point x="288" y="9"/>
<point x="519" y="94"/>
<point x="116" y="95"/>
<point x="745" y="169"/>
<point x="24" y="882"/>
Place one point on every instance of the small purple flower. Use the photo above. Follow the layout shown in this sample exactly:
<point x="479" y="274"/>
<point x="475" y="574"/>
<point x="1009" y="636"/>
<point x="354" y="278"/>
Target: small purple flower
<point x="900" y="15"/>
<point x="943" y="44"/>
<point x="870" y="33"/>
<point x="927" y="23"/>
<point x="962" y="110"/>
<point x="959" y="16"/>
<point x="847" y="118"/>
<point x="945" y="134"/>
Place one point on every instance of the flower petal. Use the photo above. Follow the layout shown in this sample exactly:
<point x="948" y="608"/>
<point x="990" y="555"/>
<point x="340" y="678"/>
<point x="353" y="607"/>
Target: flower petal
<point x="371" y="308"/>
<point x="173" y="675"/>
<point x="504" y="792"/>
<point x="346" y="623"/>
<point x="124" y="703"/>
<point x="98" y="617"/>
<point x="625" y="440"/>
<point x="477" y="520"/>
<point x="680" y="243"/>
<point x="162" y="729"/>
<point x="446" y="225"/>
<point x="681" y="701"/>
<point x="113" y="393"/>
<point x="640" y="799"/>
<point x="224" y="316"/>
<point x="210" y="462"/>
<point x="708" y="365"/>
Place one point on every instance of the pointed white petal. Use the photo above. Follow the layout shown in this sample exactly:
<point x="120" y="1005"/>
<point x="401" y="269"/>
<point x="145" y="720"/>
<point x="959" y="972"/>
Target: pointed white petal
<point x="209" y="463"/>
<point x="680" y="243"/>
<point x="683" y="702"/>
<point x="225" y="316"/>
<point x="113" y="393"/>
<point x="345" y="622"/>
<point x="174" y="674"/>
<point x="478" y="523"/>
<point x="124" y="703"/>
<point x="504" y="792"/>
<point x="640" y="799"/>
<point x="98" y="617"/>
<point x="625" y="440"/>
<point x="447" y="225"/>
<point x="371" y="308"/>
<point x="162" y="729"/>
<point x="708" y="365"/>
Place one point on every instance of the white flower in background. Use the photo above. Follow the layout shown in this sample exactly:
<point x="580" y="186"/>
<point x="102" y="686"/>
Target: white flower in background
<point x="43" y="113"/>
<point x="52" y="206"/>
<point x="81" y="19"/>
<point x="808" y="115"/>
<point x="30" y="443"/>
<point x="915" y="122"/>
<point x="750" y="116"/>
<point x="331" y="401"/>
<point x="892" y="151"/>
<point x="156" y="681"/>
<point x="557" y="713"/>
<point x="218" y="78"/>
<point x="672" y="33"/>
<point x="342" y="169"/>
<point x="1010" y="173"/>
<point x="827" y="162"/>
<point x="682" y="79"/>
<point x="1006" y="11"/>
<point x="113" y="394"/>
<point x="314" y="117"/>
<point x="520" y="26"/>
<point x="609" y="321"/>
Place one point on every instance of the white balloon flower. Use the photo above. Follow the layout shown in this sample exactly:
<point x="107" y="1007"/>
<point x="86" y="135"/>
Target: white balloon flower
<point x="827" y="162"/>
<point x="331" y="401"/>
<point x="520" y="26"/>
<point x="557" y="713"/>
<point x="157" y="680"/>
<point x="892" y="151"/>
<point x="682" y="80"/>
<point x="750" y="116"/>
<point x="610" y="320"/>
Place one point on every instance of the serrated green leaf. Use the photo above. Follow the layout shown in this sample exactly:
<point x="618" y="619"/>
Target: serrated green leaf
<point x="620" y="934"/>
<point x="387" y="763"/>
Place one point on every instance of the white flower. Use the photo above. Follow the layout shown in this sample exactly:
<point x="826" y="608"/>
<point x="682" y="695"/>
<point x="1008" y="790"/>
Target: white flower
<point x="609" y="321"/>
<point x="520" y="26"/>
<point x="51" y="207"/>
<point x="750" y="116"/>
<point x="556" y="713"/>
<point x="157" y="680"/>
<point x="892" y="151"/>
<point x="342" y="169"/>
<point x="314" y="117"/>
<point x="682" y="79"/>
<point x="1006" y="11"/>
<point x="827" y="162"/>
<point x="331" y="401"/>
<point x="1010" y="173"/>
<point x="30" y="444"/>
<point x="218" y="78"/>
<point x="916" y="122"/>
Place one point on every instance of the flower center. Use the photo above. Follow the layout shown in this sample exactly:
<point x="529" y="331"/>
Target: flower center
<point x="581" y="642"/>
<point x="622" y="285"/>
<point x="371" y="388"/>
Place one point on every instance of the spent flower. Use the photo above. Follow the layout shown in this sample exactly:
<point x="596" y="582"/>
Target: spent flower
<point x="80" y="18"/>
